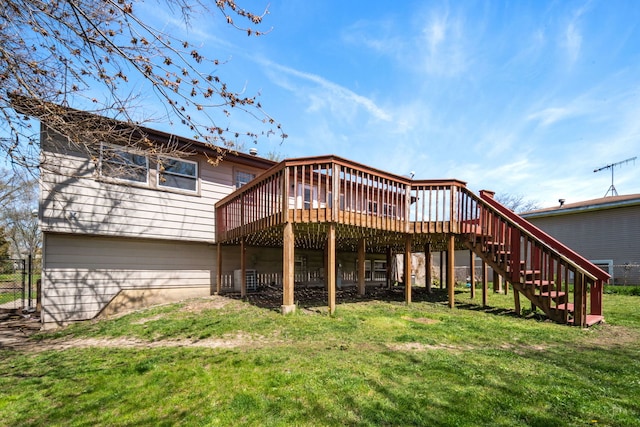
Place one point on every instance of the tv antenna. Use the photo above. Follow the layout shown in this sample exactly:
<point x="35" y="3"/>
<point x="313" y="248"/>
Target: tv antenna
<point x="612" y="188"/>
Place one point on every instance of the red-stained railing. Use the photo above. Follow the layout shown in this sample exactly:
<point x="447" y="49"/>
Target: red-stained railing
<point x="531" y="258"/>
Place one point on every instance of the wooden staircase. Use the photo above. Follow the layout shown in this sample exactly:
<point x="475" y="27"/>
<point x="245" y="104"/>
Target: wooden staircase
<point x="558" y="281"/>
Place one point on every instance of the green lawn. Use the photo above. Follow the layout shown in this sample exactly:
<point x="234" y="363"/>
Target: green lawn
<point x="373" y="363"/>
<point x="6" y="297"/>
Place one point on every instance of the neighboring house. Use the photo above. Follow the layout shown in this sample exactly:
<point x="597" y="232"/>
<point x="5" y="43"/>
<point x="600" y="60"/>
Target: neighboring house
<point x="606" y="231"/>
<point x="125" y="228"/>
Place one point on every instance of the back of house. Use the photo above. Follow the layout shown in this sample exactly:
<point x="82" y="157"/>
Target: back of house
<point x="124" y="228"/>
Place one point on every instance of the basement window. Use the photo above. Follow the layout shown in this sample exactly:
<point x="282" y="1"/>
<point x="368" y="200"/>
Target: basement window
<point x="379" y="270"/>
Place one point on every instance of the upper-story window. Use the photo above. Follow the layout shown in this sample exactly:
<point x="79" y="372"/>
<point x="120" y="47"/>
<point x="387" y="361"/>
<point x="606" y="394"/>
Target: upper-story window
<point x="243" y="178"/>
<point x="175" y="173"/>
<point x="122" y="164"/>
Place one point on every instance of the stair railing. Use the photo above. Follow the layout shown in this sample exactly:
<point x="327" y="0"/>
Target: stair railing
<point x="533" y="252"/>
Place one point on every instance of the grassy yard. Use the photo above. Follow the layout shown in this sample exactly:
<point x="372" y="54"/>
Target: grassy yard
<point x="225" y="362"/>
<point x="6" y="297"/>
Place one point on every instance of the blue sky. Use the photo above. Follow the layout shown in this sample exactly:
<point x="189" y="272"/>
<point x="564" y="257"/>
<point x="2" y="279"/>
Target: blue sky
<point x="521" y="97"/>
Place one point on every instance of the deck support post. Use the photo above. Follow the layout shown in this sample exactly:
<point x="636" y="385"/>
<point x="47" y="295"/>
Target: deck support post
<point x="218" y="269"/>
<point x="331" y="267"/>
<point x="497" y="282"/>
<point x="288" y="262"/>
<point x="243" y="269"/>
<point x="485" y="283"/>
<point x="389" y="264"/>
<point x="362" y="244"/>
<point x="325" y="266"/>
<point x="427" y="267"/>
<point x="407" y="268"/>
<point x="579" y="300"/>
<point x="516" y="301"/>
<point x="442" y="278"/>
<point x="596" y="291"/>
<point x="472" y="273"/>
<point x="451" y="246"/>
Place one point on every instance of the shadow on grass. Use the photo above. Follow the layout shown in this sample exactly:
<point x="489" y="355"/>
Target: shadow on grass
<point x="271" y="297"/>
<point x="498" y="311"/>
<point x="312" y="298"/>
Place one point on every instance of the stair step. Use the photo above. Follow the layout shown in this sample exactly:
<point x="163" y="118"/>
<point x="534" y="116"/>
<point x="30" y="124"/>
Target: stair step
<point x="526" y="273"/>
<point x="592" y="319"/>
<point x="565" y="305"/>
<point x="491" y="243"/>
<point x="539" y="283"/>
<point x="552" y="294"/>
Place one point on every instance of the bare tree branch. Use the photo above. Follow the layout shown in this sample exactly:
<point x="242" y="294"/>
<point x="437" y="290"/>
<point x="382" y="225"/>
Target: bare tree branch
<point x="19" y="195"/>
<point x="517" y="202"/>
<point x="63" y="53"/>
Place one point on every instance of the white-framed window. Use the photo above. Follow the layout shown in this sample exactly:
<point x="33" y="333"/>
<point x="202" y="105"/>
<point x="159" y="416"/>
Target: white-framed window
<point x="367" y="270"/>
<point x="177" y="173"/>
<point x="243" y="178"/>
<point x="123" y="164"/>
<point x="379" y="270"/>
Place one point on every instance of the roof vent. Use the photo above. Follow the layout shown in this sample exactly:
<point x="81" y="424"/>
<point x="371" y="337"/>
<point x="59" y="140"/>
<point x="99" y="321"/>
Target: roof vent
<point x="561" y="201"/>
<point x="253" y="151"/>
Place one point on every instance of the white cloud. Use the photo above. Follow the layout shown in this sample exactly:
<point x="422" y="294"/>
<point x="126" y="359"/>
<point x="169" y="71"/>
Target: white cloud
<point x="573" y="42"/>
<point x="338" y="98"/>
<point x="437" y="47"/>
<point x="571" y="39"/>
<point x="549" y="116"/>
<point x="435" y="33"/>
<point x="440" y="46"/>
<point x="375" y="35"/>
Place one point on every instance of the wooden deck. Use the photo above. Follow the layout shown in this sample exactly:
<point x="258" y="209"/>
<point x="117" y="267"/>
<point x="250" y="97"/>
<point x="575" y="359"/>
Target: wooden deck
<point x="329" y="203"/>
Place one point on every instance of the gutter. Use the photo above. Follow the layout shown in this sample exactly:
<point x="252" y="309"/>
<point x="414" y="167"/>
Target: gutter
<point x="583" y="209"/>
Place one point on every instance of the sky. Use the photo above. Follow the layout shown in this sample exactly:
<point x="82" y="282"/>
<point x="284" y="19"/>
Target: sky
<point x="518" y="97"/>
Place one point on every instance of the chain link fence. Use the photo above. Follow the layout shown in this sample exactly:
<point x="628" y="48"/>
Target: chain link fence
<point x="627" y="274"/>
<point x="13" y="279"/>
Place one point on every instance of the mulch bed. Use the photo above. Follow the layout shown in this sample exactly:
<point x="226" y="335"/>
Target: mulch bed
<point x="309" y="297"/>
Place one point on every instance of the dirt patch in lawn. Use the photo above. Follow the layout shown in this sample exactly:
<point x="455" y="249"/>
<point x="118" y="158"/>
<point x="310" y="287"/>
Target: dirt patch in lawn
<point x="198" y="305"/>
<point x="416" y="346"/>
<point x="191" y="306"/>
<point x="422" y="320"/>
<point x="611" y="336"/>
<point x="228" y="341"/>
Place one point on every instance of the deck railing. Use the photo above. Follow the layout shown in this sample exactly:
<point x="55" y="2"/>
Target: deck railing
<point x="332" y="189"/>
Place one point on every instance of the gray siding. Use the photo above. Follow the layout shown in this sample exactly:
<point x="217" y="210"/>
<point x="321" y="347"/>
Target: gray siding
<point x="82" y="274"/>
<point x="608" y="234"/>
